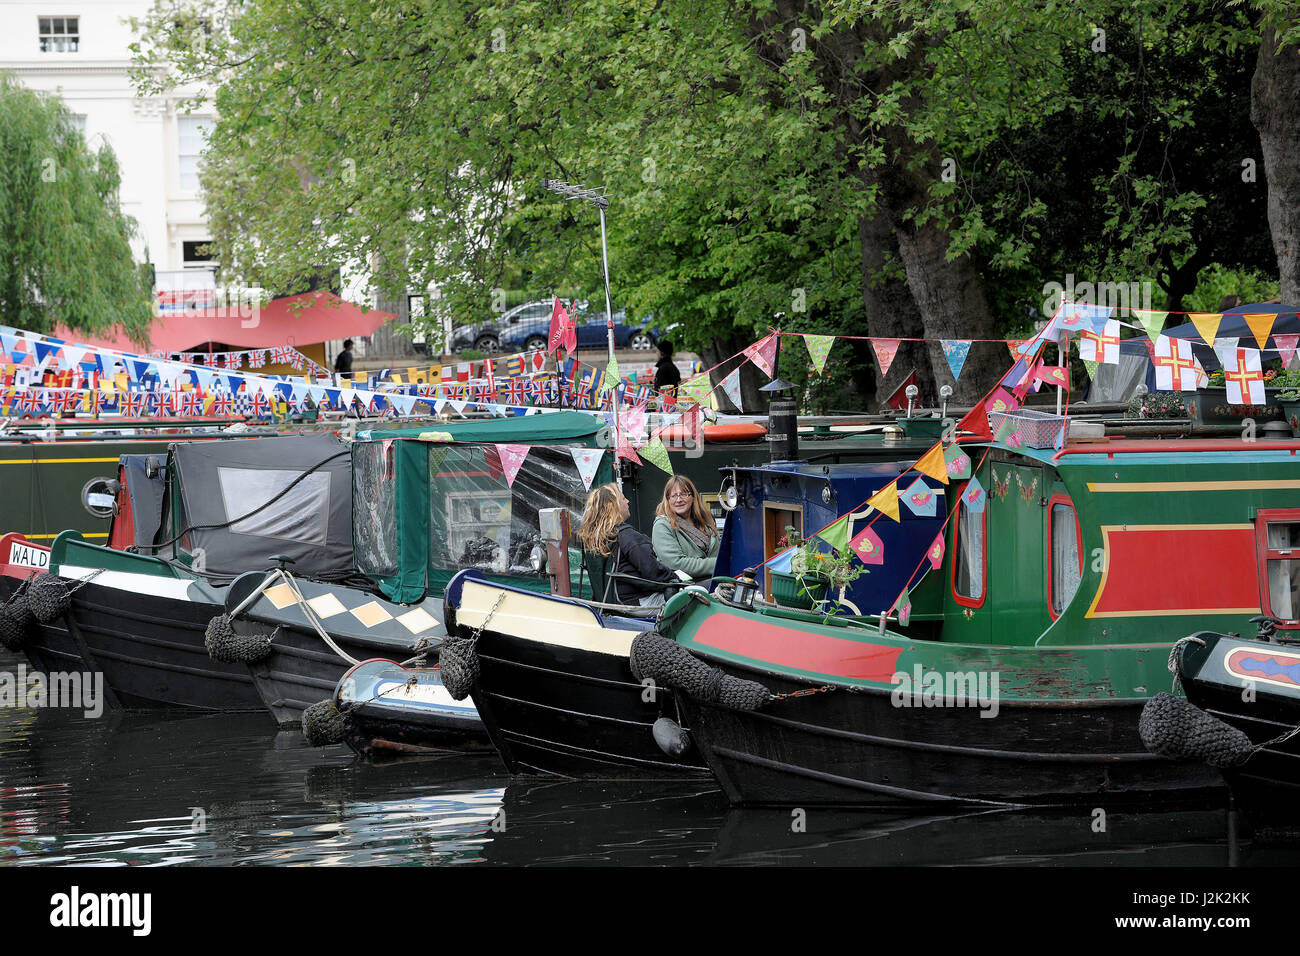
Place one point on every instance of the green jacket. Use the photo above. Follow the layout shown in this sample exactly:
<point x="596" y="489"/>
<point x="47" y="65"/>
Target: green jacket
<point x="677" y="552"/>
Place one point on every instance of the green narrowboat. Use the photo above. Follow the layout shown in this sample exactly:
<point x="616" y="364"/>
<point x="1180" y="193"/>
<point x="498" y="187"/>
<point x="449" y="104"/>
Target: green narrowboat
<point x="1066" y="577"/>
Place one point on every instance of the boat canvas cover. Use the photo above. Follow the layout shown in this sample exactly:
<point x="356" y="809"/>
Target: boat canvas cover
<point x="426" y="509"/>
<point x="224" y="485"/>
<point x="146" y="496"/>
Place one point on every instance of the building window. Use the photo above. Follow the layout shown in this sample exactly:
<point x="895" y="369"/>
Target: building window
<point x="1277" y="534"/>
<point x="969" y="556"/>
<point x="193" y="135"/>
<point x="59" y="34"/>
<point x="1066" y="555"/>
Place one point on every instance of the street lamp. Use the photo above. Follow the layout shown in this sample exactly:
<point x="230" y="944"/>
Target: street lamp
<point x="596" y="196"/>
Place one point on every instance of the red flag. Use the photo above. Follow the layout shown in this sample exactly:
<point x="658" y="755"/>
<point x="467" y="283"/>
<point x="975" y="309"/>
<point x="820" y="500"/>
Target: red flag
<point x="563" y="333"/>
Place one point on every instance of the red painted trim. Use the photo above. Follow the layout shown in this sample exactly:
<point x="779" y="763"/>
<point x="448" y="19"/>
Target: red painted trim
<point x="1119" y="446"/>
<point x="121" y="529"/>
<point x="1179" y="569"/>
<point x="1262" y="550"/>
<point x="984" y="547"/>
<point x="18" y="570"/>
<point x="786" y="645"/>
<point x="1052" y="502"/>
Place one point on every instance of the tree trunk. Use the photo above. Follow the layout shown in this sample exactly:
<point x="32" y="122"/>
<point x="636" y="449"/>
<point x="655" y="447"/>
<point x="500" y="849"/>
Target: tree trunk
<point x="751" y="377"/>
<point x="1274" y="95"/>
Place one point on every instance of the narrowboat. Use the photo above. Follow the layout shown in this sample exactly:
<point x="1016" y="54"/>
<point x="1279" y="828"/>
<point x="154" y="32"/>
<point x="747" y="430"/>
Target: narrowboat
<point x="1253" y="685"/>
<point x="215" y="509"/>
<point x="1014" y="675"/>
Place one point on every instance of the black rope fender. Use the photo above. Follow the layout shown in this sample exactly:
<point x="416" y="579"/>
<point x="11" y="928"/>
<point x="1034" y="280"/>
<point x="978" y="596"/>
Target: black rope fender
<point x="666" y="662"/>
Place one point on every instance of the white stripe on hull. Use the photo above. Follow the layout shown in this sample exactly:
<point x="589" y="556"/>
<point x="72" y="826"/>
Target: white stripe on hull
<point x="150" y="584"/>
<point x="534" y="617"/>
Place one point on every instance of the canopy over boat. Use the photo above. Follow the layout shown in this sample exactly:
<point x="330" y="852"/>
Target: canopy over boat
<point x="458" y="498"/>
<point x="242" y="503"/>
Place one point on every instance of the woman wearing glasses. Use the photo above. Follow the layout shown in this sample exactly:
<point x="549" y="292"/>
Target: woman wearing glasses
<point x="685" y="537"/>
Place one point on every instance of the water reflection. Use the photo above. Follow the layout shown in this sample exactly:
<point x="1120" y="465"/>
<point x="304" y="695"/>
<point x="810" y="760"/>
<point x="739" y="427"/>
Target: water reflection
<point x="142" y="789"/>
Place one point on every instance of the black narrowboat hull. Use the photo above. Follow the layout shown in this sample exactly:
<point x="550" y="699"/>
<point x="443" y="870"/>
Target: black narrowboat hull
<point x="149" y="647"/>
<point x="856" y="748"/>
<point x="1253" y="686"/>
<point x="555" y="708"/>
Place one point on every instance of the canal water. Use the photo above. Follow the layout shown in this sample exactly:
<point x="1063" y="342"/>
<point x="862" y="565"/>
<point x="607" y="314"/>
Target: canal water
<point x="147" y="789"/>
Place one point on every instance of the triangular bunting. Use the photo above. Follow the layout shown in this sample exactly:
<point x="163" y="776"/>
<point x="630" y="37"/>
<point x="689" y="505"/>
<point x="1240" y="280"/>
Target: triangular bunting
<point x="973" y="497"/>
<point x="1261" y="326"/>
<point x="837" y="535"/>
<point x="886" y="350"/>
<point x="932" y="464"/>
<point x="654" y="452"/>
<point x="935" y="554"/>
<point x="763" y="354"/>
<point x="920" y="499"/>
<point x="1153" y="322"/>
<point x="512" y="459"/>
<point x="958" y="462"/>
<point x="1286" y="347"/>
<point x="904" y="608"/>
<point x="1207" y="323"/>
<point x="587" y="461"/>
<point x="819" y="347"/>
<point x="731" y="388"/>
<point x="956" y="351"/>
<point x="886" y="500"/>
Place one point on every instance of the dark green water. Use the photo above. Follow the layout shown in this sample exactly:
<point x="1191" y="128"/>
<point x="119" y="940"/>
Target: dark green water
<point x="146" y="789"/>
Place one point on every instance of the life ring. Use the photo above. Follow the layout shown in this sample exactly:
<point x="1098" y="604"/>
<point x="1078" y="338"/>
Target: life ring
<point x="714" y="433"/>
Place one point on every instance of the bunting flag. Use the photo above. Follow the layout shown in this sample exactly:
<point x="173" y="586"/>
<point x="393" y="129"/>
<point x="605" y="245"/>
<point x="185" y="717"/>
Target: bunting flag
<point x="1207" y="323"/>
<point x="932" y="464"/>
<point x="1286" y="348"/>
<point x="697" y="390"/>
<point x="837" y="535"/>
<point x="625" y="449"/>
<point x="935" y="554"/>
<point x="1001" y="401"/>
<point x="886" y="500"/>
<point x="512" y="459"/>
<point x="563" y="334"/>
<point x="1077" y="316"/>
<point x="654" y="452"/>
<point x="634" y="424"/>
<point x="904" y="608"/>
<point x="1261" y="326"/>
<point x="1091" y="366"/>
<point x="1226" y="351"/>
<point x="1153" y="322"/>
<point x="1014" y="346"/>
<point x="974" y="497"/>
<point x="976" y="421"/>
<point x="1176" y="368"/>
<point x="612" y="377"/>
<point x="1008" y="432"/>
<point x="920" y="499"/>
<point x="1052" y="375"/>
<point x="957" y="462"/>
<point x="868" y="546"/>
<point x="587" y="461"/>
<point x="1244" y="379"/>
<point x="886" y="350"/>
<point x="763" y="353"/>
<point x="731" y="388"/>
<point x="956" y="351"/>
<point x="1101" y="346"/>
<point x="819" y="347"/>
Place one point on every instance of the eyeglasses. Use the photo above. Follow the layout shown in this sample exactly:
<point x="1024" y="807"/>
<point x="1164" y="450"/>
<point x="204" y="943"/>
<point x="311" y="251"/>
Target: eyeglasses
<point x="680" y="496"/>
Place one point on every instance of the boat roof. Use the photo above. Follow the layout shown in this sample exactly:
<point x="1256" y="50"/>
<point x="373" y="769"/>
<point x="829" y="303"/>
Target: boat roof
<point x="549" y="428"/>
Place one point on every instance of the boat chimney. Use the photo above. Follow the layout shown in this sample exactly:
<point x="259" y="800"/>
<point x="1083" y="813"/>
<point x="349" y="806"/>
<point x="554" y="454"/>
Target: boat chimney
<point x="782" y="421"/>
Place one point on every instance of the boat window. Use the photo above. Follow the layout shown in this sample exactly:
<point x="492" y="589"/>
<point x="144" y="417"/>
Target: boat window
<point x="301" y="513"/>
<point x="968" y="568"/>
<point x="1065" y="557"/>
<point x="479" y="520"/>
<point x="1280" y="552"/>
<point x="374" y="508"/>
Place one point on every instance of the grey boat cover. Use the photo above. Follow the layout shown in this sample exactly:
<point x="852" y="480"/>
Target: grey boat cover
<point x="146" y="496"/>
<point x="226" y="483"/>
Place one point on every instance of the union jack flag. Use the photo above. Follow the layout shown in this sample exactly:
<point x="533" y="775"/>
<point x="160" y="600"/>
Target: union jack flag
<point x="192" y="403"/>
<point x="257" y="358"/>
<point x="104" y="401"/>
<point x="233" y="360"/>
<point x="221" y="403"/>
<point x="258" y="404"/>
<point x="136" y="404"/>
<point x="582" y="397"/>
<point x="515" y="391"/>
<point x="282" y="355"/>
<point x="166" y="403"/>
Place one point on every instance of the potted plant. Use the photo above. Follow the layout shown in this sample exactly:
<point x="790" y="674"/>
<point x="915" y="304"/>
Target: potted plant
<point x="1210" y="405"/>
<point x="815" y="569"/>
<point x="1287" y="382"/>
<point x="1157" y="405"/>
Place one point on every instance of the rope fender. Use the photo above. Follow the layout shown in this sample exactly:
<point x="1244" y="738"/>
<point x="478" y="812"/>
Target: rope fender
<point x="666" y="662"/>
<point x="324" y="724"/>
<point x="227" y="647"/>
<point x="48" y="597"/>
<point x="1173" y="727"/>
<point x="458" y="664"/>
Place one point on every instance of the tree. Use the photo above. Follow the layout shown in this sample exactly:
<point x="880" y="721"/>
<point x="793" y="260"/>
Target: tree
<point x="1275" y="91"/>
<point x="65" y="253"/>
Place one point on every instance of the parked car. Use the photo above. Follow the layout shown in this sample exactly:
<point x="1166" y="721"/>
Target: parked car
<point x="638" y="335"/>
<point x="486" y="336"/>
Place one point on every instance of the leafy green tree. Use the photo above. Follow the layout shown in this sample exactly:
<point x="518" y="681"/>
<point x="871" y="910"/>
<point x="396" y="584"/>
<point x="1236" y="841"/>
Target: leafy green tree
<point x="65" y="252"/>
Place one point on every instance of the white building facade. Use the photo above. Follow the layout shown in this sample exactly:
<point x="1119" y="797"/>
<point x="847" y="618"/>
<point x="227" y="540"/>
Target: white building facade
<point x="79" y="50"/>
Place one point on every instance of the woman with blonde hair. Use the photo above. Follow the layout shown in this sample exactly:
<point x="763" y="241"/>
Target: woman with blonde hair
<point x="605" y="530"/>
<point x="684" y="536"/>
